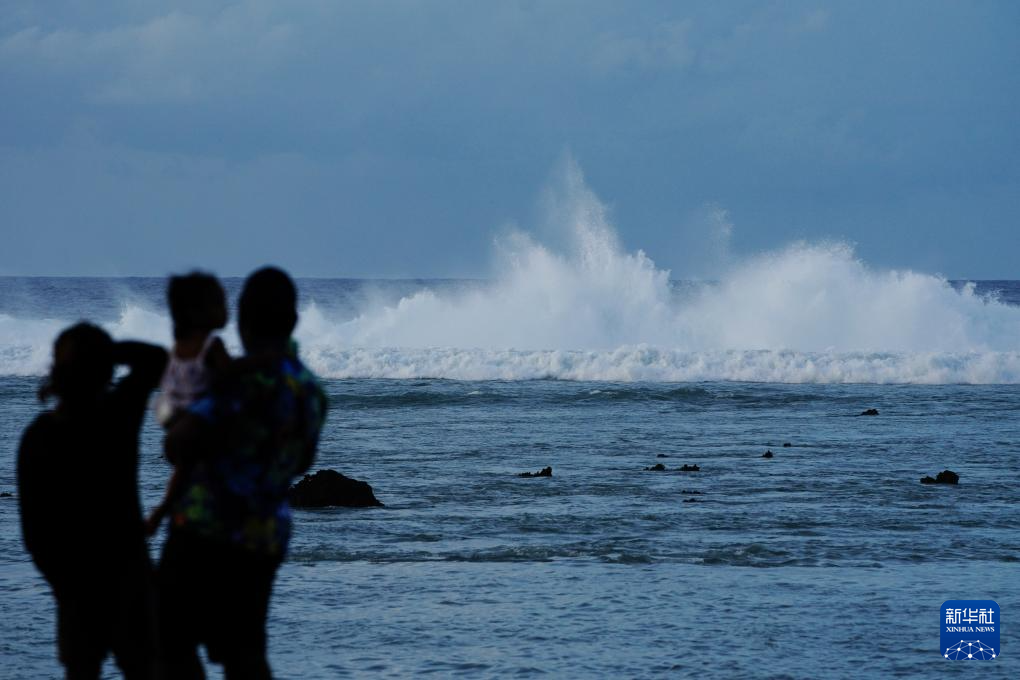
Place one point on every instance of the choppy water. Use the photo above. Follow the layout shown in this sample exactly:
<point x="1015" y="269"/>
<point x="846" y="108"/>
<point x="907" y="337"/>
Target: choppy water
<point x="829" y="560"/>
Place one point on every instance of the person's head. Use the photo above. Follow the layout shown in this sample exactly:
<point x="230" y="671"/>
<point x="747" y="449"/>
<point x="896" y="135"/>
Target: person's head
<point x="197" y="304"/>
<point x="82" y="364"/>
<point x="267" y="310"/>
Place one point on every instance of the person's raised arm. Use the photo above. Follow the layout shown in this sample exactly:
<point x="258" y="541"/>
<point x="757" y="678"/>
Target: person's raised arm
<point x="144" y="361"/>
<point x="145" y="364"/>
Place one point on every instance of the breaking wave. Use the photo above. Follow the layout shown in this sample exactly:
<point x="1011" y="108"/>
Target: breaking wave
<point x="591" y="310"/>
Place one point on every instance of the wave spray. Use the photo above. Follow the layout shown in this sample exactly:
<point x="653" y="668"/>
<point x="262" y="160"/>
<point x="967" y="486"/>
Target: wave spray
<point x="587" y="309"/>
<point x="805" y="313"/>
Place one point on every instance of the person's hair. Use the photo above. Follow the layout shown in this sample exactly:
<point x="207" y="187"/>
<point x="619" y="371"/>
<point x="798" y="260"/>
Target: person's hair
<point x="197" y="303"/>
<point x="267" y="309"/>
<point x="82" y="363"/>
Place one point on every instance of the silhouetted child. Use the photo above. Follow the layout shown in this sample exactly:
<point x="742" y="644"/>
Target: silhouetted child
<point x="198" y="308"/>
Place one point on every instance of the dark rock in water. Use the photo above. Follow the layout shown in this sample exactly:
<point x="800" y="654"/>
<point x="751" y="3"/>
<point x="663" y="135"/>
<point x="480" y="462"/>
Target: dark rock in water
<point x="947" y="477"/>
<point x="328" y="488"/>
<point x="787" y="445"/>
<point x="768" y="454"/>
<point x="944" y="477"/>
<point x="870" y="412"/>
<point x="690" y="500"/>
<point x="544" y="472"/>
<point x="658" y="467"/>
<point x="689" y="468"/>
<point x="692" y="493"/>
<point x="6" y="494"/>
<point x="662" y="455"/>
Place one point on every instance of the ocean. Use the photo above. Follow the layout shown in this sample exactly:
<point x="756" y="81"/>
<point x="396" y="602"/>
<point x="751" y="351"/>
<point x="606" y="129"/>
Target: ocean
<point x="829" y="560"/>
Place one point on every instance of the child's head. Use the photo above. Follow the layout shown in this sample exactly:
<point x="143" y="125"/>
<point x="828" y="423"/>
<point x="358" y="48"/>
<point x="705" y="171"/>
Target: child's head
<point x="197" y="304"/>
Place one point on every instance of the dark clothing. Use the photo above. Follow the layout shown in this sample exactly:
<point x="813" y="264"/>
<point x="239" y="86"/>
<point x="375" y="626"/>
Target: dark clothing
<point x="263" y="420"/>
<point x="216" y="594"/>
<point x="256" y="430"/>
<point x="81" y="519"/>
<point x="116" y="615"/>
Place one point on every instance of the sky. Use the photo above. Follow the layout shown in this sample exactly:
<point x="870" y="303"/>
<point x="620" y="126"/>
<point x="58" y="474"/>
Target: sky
<point x="396" y="139"/>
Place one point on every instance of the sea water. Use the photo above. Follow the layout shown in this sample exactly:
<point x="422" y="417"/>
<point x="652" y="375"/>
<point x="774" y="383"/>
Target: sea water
<point x="828" y="560"/>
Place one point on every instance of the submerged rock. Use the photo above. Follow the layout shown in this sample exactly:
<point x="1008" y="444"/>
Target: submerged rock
<point x="787" y="445"/>
<point x="327" y="488"/>
<point x="870" y="412"/>
<point x="692" y="492"/>
<point x="6" y="494"/>
<point x="544" y="472"/>
<point x="768" y="454"/>
<point x="662" y="455"/>
<point x="944" y="477"/>
<point x="658" y="467"/>
<point x="689" y="468"/>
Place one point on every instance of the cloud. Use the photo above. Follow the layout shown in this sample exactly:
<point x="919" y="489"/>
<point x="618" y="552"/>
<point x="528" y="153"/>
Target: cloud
<point x="171" y="57"/>
<point x="429" y="123"/>
<point x="664" y="46"/>
<point x="813" y="21"/>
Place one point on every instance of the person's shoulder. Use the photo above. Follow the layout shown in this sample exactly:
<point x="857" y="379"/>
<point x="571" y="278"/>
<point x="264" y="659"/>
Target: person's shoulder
<point x="302" y="375"/>
<point x="310" y="388"/>
<point x="40" y="427"/>
<point x="268" y="374"/>
<point x="36" y="437"/>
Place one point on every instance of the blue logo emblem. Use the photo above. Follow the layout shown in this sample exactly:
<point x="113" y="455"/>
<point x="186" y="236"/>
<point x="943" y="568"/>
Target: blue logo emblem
<point x="970" y="630"/>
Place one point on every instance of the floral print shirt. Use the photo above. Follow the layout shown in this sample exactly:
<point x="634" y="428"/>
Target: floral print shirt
<point x="264" y="424"/>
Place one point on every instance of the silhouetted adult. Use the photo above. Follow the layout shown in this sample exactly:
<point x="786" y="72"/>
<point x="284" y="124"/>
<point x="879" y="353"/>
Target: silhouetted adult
<point x="78" y="492"/>
<point x="230" y="523"/>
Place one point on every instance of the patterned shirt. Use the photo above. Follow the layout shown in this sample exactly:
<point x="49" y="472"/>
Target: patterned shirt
<point x="265" y="422"/>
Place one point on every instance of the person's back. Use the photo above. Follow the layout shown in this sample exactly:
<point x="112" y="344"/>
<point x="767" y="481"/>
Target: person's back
<point x="78" y="492"/>
<point x="268" y="413"/>
<point x="80" y="514"/>
<point x="240" y="448"/>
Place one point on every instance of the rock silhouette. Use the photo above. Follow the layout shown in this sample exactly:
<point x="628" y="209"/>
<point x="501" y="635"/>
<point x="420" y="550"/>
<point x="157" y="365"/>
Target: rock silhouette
<point x="328" y="488"/>
<point x="662" y="455"/>
<point x="658" y="467"/>
<point x="6" y="494"/>
<point x="870" y="412"/>
<point x="944" y="477"/>
<point x="787" y="445"/>
<point x="689" y="468"/>
<point x="544" y="472"/>
<point x="768" y="454"/>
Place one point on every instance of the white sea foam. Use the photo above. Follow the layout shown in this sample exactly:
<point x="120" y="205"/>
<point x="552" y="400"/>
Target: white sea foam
<point x="657" y="365"/>
<point x="25" y="344"/>
<point x="592" y="311"/>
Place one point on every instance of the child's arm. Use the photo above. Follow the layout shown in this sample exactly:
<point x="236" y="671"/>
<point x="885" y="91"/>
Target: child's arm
<point x="217" y="359"/>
